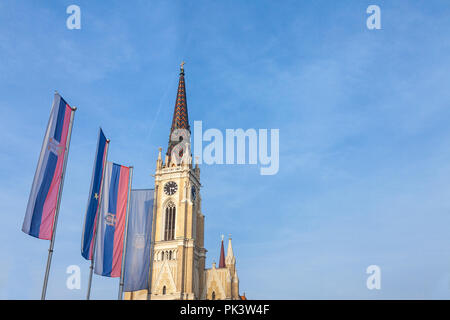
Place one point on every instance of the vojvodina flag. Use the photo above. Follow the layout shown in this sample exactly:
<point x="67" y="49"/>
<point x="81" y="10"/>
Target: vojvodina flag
<point x="111" y="220"/>
<point x="137" y="256"/>
<point x="90" y="220"/>
<point x="42" y="203"/>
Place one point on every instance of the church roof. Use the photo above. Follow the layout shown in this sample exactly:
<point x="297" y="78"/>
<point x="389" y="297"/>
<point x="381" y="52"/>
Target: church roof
<point x="180" y="114"/>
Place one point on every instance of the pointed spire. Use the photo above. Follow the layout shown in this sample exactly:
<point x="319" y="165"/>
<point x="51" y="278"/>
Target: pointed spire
<point x="230" y="255"/>
<point x="222" y="256"/>
<point x="180" y="114"/>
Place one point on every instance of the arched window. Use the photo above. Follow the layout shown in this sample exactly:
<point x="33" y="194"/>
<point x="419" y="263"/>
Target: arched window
<point x="213" y="295"/>
<point x="170" y="255"/>
<point x="164" y="290"/>
<point x="162" y="255"/>
<point x="169" y="229"/>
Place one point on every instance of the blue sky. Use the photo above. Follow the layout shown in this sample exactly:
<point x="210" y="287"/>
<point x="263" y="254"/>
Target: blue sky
<point x="364" y="135"/>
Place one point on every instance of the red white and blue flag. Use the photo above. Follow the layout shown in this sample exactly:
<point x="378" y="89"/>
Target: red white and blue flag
<point x="40" y="213"/>
<point x="93" y="206"/>
<point x="111" y="220"/>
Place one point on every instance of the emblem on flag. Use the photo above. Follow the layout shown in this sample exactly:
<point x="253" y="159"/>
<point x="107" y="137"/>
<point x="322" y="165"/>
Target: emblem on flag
<point x="139" y="241"/>
<point x="110" y="219"/>
<point x="55" y="146"/>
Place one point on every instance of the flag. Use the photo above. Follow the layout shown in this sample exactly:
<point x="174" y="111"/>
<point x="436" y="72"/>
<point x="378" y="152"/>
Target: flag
<point x="137" y="256"/>
<point x="111" y="221"/>
<point x="90" y="219"/>
<point x="41" y="208"/>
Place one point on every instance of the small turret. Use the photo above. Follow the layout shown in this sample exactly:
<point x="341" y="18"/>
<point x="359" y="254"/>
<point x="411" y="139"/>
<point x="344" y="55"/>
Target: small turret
<point x="159" y="161"/>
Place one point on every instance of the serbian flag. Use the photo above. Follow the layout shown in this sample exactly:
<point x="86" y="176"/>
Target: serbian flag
<point x="111" y="220"/>
<point x="47" y="182"/>
<point x="90" y="219"/>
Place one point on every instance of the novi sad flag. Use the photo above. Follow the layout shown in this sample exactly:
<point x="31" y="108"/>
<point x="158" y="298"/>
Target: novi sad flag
<point x="90" y="219"/>
<point x="111" y="220"/>
<point x="40" y="213"/>
<point x="137" y="257"/>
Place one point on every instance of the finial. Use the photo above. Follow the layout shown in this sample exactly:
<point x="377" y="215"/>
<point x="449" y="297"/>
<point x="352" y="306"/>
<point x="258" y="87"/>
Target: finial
<point x="182" y="65"/>
<point x="229" y="236"/>
<point x="222" y="237"/>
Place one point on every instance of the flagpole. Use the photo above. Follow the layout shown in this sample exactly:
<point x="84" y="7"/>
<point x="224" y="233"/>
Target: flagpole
<point x="124" y="251"/>
<point x="91" y="271"/>
<point x="55" y="218"/>
<point x="152" y="244"/>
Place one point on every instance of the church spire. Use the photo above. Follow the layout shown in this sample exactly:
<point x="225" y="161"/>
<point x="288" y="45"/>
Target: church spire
<point x="222" y="256"/>
<point x="230" y="260"/>
<point x="180" y="114"/>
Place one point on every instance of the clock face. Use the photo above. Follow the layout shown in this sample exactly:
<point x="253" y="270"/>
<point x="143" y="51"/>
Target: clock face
<point x="194" y="193"/>
<point x="170" y="188"/>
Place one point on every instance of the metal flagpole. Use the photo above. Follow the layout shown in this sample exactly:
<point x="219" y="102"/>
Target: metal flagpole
<point x="124" y="251"/>
<point x="55" y="218"/>
<point x="96" y="222"/>
<point x="152" y="244"/>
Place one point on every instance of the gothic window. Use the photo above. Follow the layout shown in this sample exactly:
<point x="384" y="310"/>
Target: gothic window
<point x="170" y="255"/>
<point x="213" y="295"/>
<point x="169" y="229"/>
<point x="162" y="255"/>
<point x="164" y="290"/>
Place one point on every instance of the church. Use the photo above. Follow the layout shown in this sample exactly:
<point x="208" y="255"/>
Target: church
<point x="178" y="270"/>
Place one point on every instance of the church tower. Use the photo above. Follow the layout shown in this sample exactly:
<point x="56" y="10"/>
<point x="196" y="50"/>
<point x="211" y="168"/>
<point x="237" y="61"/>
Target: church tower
<point x="179" y="253"/>
<point x="178" y="267"/>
